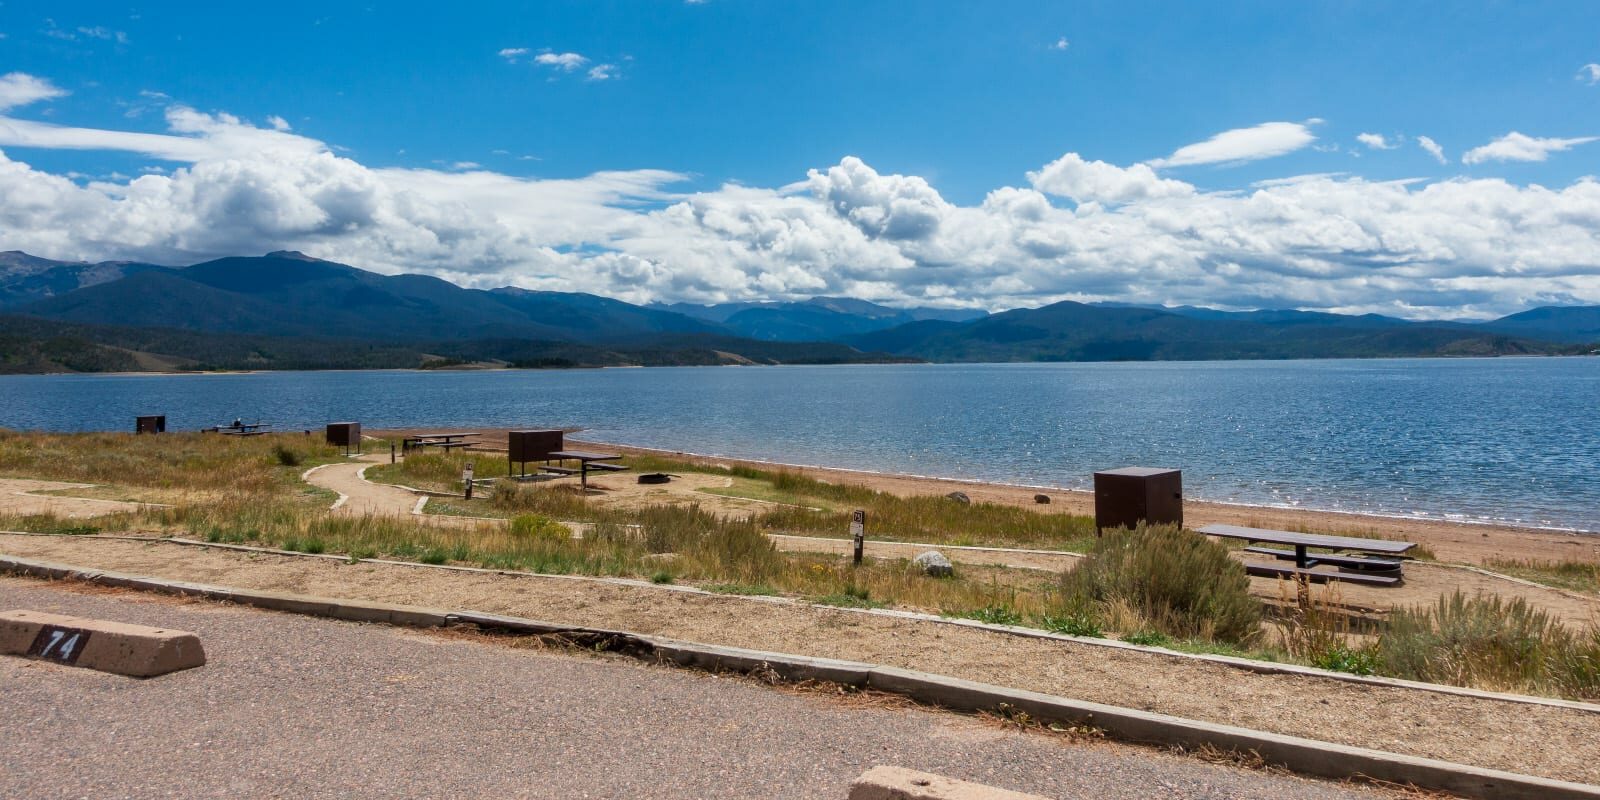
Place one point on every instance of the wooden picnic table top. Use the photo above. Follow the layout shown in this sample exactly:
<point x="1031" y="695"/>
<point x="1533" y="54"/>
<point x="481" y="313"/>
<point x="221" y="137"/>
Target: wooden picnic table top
<point x="1308" y="539"/>
<point x="585" y="455"/>
<point x="444" y="436"/>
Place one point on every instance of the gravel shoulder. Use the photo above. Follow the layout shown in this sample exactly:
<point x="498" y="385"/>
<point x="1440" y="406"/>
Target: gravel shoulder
<point x="1537" y="740"/>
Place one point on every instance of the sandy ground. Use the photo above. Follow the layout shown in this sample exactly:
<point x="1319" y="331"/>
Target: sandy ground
<point x="1554" y="742"/>
<point x="18" y="496"/>
<point x="316" y="708"/>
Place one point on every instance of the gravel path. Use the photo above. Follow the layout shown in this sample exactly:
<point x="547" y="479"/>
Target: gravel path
<point x="1537" y="740"/>
<point x="296" y="707"/>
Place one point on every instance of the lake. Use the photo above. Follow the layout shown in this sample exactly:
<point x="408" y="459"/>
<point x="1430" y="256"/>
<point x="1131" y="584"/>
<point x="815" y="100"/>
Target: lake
<point x="1508" y="440"/>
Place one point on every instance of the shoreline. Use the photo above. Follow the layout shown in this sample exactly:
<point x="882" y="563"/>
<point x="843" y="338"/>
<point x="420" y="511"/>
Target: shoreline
<point x="1469" y="542"/>
<point x="1088" y="494"/>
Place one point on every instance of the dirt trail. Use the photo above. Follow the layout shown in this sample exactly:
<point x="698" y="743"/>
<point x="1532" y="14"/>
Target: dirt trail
<point x="358" y="495"/>
<point x="19" y="496"/>
<point x="1556" y="742"/>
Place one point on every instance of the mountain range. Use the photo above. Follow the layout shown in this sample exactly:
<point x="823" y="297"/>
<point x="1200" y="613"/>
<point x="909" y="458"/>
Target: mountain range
<point x="286" y="310"/>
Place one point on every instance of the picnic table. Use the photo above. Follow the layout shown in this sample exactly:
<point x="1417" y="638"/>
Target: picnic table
<point x="238" y="428"/>
<point x="588" y="461"/>
<point x="441" y="440"/>
<point x="1374" y="562"/>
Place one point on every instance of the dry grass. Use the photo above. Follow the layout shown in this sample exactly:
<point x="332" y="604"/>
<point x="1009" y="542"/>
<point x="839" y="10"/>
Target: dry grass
<point x="1577" y="576"/>
<point x="247" y="464"/>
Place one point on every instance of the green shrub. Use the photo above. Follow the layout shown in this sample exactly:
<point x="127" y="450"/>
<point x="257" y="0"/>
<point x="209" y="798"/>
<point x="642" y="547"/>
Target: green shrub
<point x="1174" y="581"/>
<point x="1148" y="638"/>
<point x="994" y="615"/>
<point x="1483" y="641"/>
<point x="1344" y="658"/>
<point x="536" y="526"/>
<point x="286" y="456"/>
<point x="1079" y="624"/>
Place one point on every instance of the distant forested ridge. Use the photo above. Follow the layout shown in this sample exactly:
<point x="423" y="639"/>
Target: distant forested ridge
<point x="286" y="310"/>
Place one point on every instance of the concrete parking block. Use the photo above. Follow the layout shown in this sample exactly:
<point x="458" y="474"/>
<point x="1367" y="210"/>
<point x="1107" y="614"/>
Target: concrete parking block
<point x="898" y="783"/>
<point x="134" y="650"/>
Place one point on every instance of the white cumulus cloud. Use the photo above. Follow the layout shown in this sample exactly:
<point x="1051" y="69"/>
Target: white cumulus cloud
<point x="20" y="89"/>
<point x="1589" y="73"/>
<point x="565" y="62"/>
<point x="222" y="186"/>
<point x="1266" y="140"/>
<point x="1086" y="181"/>
<point x="1377" y="141"/>
<point x="603" y="72"/>
<point x="1516" y="146"/>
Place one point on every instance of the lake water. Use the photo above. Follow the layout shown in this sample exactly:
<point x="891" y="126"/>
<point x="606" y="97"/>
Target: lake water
<point x="1511" y="440"/>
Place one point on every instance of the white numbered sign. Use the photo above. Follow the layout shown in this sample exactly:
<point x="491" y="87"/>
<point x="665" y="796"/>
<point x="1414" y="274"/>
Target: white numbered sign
<point x="58" y="644"/>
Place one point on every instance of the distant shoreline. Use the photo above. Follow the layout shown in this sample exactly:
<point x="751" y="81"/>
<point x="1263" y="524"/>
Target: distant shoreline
<point x="457" y="369"/>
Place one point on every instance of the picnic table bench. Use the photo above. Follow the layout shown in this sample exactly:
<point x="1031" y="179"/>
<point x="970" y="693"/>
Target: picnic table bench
<point x="1374" y="562"/>
<point x="446" y="441"/>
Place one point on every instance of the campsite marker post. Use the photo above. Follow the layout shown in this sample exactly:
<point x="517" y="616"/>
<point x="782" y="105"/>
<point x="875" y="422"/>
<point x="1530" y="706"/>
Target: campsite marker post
<point x="466" y="478"/>
<point x="858" y="532"/>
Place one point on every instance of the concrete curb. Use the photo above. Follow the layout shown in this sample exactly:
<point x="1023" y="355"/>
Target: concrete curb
<point x="1323" y="759"/>
<point x="1249" y="665"/>
<point x="1307" y="756"/>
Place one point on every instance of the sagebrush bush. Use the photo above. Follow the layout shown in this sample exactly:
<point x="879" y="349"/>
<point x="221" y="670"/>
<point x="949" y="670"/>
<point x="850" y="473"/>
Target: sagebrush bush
<point x="1178" y="582"/>
<point x="535" y="526"/>
<point x="1484" y="641"/>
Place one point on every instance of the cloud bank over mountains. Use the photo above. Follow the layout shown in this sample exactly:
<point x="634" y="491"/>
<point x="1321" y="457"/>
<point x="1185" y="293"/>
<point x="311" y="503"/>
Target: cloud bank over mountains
<point x="1077" y="228"/>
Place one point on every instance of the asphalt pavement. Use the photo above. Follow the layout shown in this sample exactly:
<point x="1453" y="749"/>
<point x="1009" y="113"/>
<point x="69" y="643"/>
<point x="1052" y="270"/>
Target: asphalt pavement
<point x="297" y="707"/>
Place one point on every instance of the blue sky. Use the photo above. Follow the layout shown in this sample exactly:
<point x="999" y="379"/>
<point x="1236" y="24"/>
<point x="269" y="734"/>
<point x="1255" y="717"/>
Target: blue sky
<point x="940" y="105"/>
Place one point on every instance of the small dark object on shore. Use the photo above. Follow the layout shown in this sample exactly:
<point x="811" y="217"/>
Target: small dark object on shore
<point x="1042" y="499"/>
<point x="960" y="497"/>
<point x="655" y="477"/>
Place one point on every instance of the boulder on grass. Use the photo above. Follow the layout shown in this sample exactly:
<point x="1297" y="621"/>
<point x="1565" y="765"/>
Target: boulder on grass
<point x="960" y="497"/>
<point x="1042" y="499"/>
<point x="935" y="564"/>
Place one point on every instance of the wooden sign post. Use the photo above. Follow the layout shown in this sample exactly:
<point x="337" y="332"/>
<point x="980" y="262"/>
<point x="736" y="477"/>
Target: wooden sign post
<point x="858" y="532"/>
<point x="466" y="478"/>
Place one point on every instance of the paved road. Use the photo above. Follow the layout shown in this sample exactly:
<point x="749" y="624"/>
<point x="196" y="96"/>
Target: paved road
<point x="305" y="708"/>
